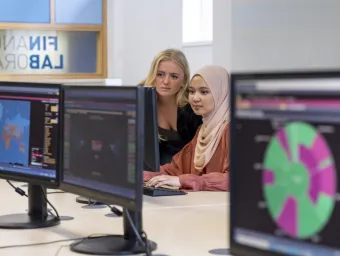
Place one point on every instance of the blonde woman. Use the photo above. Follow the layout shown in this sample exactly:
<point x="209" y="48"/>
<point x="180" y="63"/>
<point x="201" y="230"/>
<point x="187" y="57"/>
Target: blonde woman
<point x="203" y="164"/>
<point x="177" y="122"/>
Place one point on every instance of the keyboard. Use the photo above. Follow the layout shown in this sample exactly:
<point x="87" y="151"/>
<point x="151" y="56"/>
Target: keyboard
<point x="161" y="191"/>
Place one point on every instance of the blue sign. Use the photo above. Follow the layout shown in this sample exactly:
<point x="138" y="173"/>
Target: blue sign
<point x="44" y="44"/>
<point x="30" y="53"/>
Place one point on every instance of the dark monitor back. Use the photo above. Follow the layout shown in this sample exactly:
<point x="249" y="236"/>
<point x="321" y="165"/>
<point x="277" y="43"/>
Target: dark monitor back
<point x="285" y="157"/>
<point x="30" y="132"/>
<point x="151" y="144"/>
<point x="103" y="143"/>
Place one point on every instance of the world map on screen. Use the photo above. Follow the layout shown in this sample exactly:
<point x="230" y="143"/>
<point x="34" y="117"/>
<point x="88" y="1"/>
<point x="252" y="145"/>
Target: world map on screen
<point x="15" y="130"/>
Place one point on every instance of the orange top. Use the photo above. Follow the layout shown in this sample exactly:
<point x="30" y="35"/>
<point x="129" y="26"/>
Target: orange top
<point x="213" y="177"/>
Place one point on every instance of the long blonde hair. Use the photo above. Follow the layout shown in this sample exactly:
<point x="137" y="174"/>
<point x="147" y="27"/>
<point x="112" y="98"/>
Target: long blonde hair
<point x="178" y="57"/>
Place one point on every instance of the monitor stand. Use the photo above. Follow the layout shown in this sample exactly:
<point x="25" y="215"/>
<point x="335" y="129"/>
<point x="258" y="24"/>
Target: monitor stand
<point x="126" y="244"/>
<point x="84" y="200"/>
<point x="37" y="216"/>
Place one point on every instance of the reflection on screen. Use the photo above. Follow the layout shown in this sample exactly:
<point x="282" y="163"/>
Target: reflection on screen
<point x="99" y="141"/>
<point x="29" y="118"/>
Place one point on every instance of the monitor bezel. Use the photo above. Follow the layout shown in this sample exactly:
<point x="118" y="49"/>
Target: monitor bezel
<point x="32" y="179"/>
<point x="236" y="248"/>
<point x="151" y="91"/>
<point x="131" y="204"/>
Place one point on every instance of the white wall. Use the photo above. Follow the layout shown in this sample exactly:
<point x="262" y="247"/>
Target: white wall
<point x="221" y="48"/>
<point x="263" y="35"/>
<point x="285" y="34"/>
<point x="115" y="40"/>
<point x="198" y="55"/>
<point x="219" y="51"/>
<point x="137" y="31"/>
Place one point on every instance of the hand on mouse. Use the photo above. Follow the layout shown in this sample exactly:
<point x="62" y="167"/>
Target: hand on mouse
<point x="161" y="180"/>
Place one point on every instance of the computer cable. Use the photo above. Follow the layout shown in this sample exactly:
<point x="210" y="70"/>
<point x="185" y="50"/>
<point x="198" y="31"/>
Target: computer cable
<point x="49" y="203"/>
<point x="59" y="250"/>
<point x="23" y="193"/>
<point x="142" y="238"/>
<point x="17" y="189"/>
<point x="115" y="210"/>
<point x="40" y="244"/>
<point x="81" y="239"/>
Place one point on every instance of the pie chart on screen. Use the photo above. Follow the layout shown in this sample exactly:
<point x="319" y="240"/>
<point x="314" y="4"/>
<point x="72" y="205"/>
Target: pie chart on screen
<point x="299" y="180"/>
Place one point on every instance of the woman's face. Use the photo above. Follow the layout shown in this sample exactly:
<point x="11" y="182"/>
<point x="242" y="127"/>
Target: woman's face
<point x="200" y="97"/>
<point x="169" y="79"/>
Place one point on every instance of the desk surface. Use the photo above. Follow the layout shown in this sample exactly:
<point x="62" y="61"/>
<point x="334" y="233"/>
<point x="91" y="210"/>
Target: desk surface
<point x="193" y="224"/>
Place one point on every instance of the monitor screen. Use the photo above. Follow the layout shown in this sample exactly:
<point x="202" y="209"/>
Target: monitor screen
<point x="285" y="141"/>
<point x="29" y="123"/>
<point x="100" y="140"/>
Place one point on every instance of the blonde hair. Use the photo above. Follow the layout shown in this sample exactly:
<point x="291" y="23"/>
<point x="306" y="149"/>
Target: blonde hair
<point x="178" y="57"/>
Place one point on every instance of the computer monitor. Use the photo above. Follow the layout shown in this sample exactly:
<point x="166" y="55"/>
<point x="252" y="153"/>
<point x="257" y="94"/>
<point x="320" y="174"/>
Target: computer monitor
<point x="151" y="142"/>
<point x="29" y="147"/>
<point x="284" y="161"/>
<point x="103" y="158"/>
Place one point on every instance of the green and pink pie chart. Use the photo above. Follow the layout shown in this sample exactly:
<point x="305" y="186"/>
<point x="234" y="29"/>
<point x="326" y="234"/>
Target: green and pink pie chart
<point x="299" y="179"/>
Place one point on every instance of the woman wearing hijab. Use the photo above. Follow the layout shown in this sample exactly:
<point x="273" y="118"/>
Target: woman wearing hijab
<point x="203" y="164"/>
<point x="177" y="122"/>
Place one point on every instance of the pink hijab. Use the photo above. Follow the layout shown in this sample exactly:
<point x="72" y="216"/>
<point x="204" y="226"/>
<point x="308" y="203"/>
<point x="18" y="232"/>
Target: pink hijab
<point x="209" y="136"/>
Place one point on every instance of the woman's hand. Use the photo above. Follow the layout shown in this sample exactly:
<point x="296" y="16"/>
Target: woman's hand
<point x="161" y="180"/>
<point x="148" y="175"/>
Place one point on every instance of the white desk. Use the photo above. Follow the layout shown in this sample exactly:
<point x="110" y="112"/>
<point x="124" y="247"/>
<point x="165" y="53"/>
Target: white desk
<point x="181" y="225"/>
